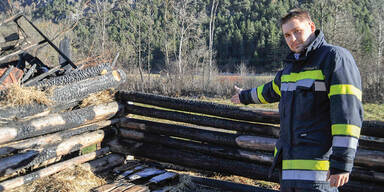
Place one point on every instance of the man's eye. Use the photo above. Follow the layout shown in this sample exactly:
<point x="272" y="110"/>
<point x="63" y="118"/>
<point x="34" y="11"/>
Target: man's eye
<point x="297" y="31"/>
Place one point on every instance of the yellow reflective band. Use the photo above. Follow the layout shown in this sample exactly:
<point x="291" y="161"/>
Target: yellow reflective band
<point x="346" y="129"/>
<point x="343" y="89"/>
<point x="274" y="153"/>
<point x="276" y="88"/>
<point x="293" y="77"/>
<point x="259" y="94"/>
<point x="319" y="165"/>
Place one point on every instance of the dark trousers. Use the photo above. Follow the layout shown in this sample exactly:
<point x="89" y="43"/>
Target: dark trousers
<point x="319" y="188"/>
<point x="322" y="189"/>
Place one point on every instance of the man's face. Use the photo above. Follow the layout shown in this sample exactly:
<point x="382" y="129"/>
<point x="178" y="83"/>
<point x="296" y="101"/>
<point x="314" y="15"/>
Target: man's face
<point x="297" y="33"/>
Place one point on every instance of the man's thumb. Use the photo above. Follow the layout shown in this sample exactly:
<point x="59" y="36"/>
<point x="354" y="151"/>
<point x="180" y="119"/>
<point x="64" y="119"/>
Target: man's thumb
<point x="238" y="90"/>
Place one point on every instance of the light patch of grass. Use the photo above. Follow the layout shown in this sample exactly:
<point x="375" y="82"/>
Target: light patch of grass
<point x="88" y="149"/>
<point x="373" y="111"/>
<point x="72" y="179"/>
<point x="16" y="95"/>
<point x="98" y="98"/>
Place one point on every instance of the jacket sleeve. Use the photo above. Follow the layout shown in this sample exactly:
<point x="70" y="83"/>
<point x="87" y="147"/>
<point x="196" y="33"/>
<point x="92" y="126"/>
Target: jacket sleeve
<point x="267" y="93"/>
<point x="346" y="110"/>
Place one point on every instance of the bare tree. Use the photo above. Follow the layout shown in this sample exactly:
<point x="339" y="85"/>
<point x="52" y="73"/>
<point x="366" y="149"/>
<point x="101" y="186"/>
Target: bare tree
<point x="188" y="21"/>
<point x="378" y="28"/>
<point x="214" y="6"/>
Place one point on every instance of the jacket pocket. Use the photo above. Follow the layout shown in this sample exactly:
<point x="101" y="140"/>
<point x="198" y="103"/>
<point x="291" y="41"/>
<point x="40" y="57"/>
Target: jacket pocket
<point x="277" y="159"/>
<point x="304" y="99"/>
<point x="308" y="137"/>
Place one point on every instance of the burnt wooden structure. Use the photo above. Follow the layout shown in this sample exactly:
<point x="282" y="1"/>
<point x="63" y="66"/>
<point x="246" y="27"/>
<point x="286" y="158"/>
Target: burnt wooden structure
<point x="198" y="135"/>
<point x="225" y="139"/>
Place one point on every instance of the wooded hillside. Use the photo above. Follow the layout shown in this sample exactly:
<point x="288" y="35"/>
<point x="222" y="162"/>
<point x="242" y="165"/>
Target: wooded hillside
<point x="197" y="37"/>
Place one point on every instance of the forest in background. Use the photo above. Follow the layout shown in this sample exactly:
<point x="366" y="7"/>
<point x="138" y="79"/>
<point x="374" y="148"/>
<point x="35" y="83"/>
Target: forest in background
<point x="188" y="43"/>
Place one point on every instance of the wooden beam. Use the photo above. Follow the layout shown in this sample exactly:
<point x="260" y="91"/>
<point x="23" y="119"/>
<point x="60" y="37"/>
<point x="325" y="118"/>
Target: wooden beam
<point x="69" y="93"/>
<point x="39" y="155"/>
<point x="74" y="77"/>
<point x="370" y="128"/>
<point x="214" y="137"/>
<point x="39" y="142"/>
<point x="105" y="163"/>
<point x="364" y="157"/>
<point x="260" y="129"/>
<point x="214" y="150"/>
<point x="246" y="169"/>
<point x="209" y="108"/>
<point x="18" y="181"/>
<point x="57" y="122"/>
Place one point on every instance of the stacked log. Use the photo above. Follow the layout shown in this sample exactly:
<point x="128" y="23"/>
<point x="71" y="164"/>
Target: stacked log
<point x="66" y="95"/>
<point x="35" y="136"/>
<point x="226" y="139"/>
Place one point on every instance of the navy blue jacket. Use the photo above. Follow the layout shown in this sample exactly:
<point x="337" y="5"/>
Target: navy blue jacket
<point x="320" y="113"/>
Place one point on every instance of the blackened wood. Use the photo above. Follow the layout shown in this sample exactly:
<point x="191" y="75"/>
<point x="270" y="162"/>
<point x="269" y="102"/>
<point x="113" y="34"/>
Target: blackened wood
<point x="73" y="77"/>
<point x="363" y="157"/>
<point x="371" y="144"/>
<point x="39" y="142"/>
<point x="42" y="76"/>
<point x="105" y="163"/>
<point x="80" y="90"/>
<point x="67" y="94"/>
<point x="226" y="139"/>
<point x="373" y="128"/>
<point x="372" y="159"/>
<point x="260" y="129"/>
<point x="241" y="113"/>
<point x="19" y="160"/>
<point x="43" y="154"/>
<point x="51" y="43"/>
<point x="19" y="112"/>
<point x="57" y="122"/>
<point x="201" y="161"/>
<point x="6" y="74"/>
<point x="129" y="164"/>
<point x="226" y="166"/>
<point x="370" y="128"/>
<point x="28" y="74"/>
<point x="18" y="181"/>
<point x="214" y="150"/>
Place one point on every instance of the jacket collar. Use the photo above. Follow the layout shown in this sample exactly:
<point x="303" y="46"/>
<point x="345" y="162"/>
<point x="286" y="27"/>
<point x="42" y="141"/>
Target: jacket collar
<point x="313" y="46"/>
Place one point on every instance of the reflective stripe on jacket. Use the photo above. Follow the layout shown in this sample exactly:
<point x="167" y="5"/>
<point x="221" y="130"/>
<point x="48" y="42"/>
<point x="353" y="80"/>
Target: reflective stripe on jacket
<point x="320" y="112"/>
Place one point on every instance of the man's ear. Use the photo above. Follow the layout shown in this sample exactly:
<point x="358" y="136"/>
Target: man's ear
<point x="313" y="27"/>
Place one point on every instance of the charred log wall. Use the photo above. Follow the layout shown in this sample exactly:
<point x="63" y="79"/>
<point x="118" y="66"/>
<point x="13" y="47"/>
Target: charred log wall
<point x="33" y="137"/>
<point x="225" y="139"/>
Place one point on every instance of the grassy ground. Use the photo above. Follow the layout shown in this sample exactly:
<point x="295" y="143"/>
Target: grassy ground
<point x="371" y="111"/>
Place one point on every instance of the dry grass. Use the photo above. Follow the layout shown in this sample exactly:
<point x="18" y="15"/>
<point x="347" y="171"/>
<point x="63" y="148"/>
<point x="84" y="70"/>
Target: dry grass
<point x="98" y="98"/>
<point x="16" y="95"/>
<point x="247" y="181"/>
<point x="185" y="182"/>
<point x="75" y="179"/>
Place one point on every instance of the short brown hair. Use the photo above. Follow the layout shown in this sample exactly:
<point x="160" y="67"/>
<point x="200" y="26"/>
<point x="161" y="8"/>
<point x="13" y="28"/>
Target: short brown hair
<point x="296" y="13"/>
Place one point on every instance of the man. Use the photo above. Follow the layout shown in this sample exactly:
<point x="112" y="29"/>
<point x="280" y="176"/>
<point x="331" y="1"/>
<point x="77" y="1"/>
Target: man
<point x="320" y="107"/>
